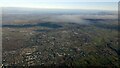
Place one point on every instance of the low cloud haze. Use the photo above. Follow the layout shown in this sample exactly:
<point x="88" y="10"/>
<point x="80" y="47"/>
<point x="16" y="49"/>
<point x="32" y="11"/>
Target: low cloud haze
<point x="65" y="19"/>
<point x="22" y="17"/>
<point x="81" y="19"/>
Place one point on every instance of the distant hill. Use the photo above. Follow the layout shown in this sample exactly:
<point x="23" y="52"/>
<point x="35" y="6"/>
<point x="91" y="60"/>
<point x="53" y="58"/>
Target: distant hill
<point x="19" y="10"/>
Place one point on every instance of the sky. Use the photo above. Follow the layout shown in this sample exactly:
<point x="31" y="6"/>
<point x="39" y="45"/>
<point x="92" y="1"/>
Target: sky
<point x="62" y="4"/>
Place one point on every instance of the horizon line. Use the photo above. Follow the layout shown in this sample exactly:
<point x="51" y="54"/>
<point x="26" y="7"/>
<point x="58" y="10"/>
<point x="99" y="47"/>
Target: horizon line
<point x="61" y="8"/>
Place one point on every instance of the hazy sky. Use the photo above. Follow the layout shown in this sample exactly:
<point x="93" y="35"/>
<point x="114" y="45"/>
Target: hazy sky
<point x="62" y="4"/>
